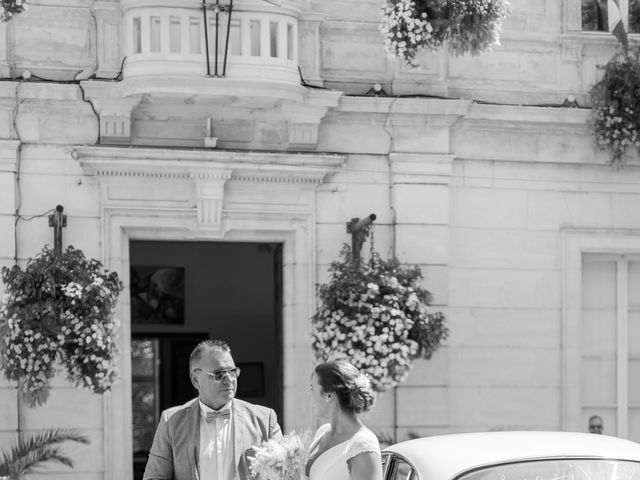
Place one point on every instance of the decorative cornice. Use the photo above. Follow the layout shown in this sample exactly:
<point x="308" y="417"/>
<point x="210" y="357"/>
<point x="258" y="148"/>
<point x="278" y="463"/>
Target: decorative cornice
<point x="207" y="164"/>
<point x="204" y="177"/>
<point x="263" y="179"/>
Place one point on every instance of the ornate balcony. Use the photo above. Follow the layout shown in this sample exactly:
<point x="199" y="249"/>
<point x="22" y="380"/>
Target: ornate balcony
<point x="164" y="40"/>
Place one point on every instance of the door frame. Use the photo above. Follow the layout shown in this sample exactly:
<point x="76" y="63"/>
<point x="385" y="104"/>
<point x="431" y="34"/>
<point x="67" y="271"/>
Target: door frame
<point x="158" y="194"/>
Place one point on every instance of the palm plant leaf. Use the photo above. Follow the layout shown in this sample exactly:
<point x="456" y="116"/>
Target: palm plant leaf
<point x="27" y="453"/>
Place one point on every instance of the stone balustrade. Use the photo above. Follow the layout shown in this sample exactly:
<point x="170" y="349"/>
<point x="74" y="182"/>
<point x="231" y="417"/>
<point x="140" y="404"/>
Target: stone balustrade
<point x="168" y="40"/>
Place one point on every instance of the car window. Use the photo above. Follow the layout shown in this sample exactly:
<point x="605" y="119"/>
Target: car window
<point x="385" y="464"/>
<point x="560" y="469"/>
<point x="402" y="470"/>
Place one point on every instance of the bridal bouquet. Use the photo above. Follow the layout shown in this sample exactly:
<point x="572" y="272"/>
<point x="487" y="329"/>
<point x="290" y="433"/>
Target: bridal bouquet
<point x="281" y="458"/>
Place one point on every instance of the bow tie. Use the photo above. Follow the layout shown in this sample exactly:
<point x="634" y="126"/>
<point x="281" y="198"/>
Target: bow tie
<point x="211" y="416"/>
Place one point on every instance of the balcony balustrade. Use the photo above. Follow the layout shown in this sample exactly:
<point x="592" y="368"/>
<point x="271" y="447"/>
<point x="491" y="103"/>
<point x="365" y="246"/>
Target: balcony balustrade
<point x="165" y="40"/>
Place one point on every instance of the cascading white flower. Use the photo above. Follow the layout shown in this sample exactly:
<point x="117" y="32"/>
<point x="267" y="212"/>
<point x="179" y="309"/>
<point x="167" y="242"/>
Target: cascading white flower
<point x="377" y="316"/>
<point x="471" y="26"/>
<point x="67" y="321"/>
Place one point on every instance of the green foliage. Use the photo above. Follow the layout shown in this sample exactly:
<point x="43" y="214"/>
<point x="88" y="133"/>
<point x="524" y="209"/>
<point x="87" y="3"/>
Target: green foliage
<point x="466" y="26"/>
<point x="376" y="314"/>
<point x="26" y="455"/>
<point x="10" y="8"/>
<point x="615" y="116"/>
<point x="58" y="309"/>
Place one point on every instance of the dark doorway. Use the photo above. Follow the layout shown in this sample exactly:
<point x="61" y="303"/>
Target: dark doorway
<point x="185" y="292"/>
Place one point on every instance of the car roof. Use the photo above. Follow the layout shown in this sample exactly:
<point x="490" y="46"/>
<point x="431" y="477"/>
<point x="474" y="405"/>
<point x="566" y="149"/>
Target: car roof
<point x="442" y="457"/>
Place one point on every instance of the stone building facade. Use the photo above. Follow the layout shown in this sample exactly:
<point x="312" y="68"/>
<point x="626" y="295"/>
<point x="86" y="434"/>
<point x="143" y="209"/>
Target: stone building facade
<point x="476" y="171"/>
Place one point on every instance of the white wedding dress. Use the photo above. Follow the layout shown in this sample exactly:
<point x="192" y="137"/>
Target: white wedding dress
<point x="332" y="463"/>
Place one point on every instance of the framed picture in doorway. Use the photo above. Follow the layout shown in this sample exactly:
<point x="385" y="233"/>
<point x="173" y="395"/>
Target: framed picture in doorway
<point x="157" y="295"/>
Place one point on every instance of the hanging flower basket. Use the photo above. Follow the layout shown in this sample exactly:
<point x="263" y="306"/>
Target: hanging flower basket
<point x="58" y="311"/>
<point x="377" y="315"/>
<point x="615" y="116"/>
<point x="467" y="26"/>
<point x="11" y="8"/>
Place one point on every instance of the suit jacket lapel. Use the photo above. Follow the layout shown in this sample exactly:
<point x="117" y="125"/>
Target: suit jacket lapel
<point x="239" y="429"/>
<point x="193" y="447"/>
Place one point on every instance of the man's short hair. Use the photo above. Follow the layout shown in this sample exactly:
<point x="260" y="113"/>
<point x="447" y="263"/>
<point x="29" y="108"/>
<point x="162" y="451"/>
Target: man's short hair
<point x="207" y="346"/>
<point x="596" y="424"/>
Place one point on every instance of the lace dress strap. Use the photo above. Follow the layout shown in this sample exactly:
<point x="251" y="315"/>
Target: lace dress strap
<point x="363" y="441"/>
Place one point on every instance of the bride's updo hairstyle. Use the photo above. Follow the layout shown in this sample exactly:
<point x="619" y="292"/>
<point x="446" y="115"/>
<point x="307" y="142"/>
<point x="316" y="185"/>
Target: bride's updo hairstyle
<point x="352" y="388"/>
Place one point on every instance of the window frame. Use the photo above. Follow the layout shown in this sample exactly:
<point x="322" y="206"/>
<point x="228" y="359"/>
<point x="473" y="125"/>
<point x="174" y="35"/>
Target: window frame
<point x="576" y="243"/>
<point x="573" y="21"/>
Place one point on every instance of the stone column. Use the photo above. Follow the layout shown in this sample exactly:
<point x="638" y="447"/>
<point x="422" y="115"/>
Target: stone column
<point x="420" y="199"/>
<point x="4" y="65"/>
<point x="8" y="393"/>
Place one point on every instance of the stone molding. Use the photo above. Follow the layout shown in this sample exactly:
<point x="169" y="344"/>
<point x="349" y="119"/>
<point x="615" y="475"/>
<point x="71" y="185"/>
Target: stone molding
<point x="201" y="175"/>
<point x="300" y="108"/>
<point x="575" y="242"/>
<point x="211" y="164"/>
<point x="179" y="194"/>
<point x="421" y="168"/>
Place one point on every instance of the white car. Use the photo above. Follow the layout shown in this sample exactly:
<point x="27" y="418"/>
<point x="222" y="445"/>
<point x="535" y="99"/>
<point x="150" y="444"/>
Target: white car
<point x="513" y="456"/>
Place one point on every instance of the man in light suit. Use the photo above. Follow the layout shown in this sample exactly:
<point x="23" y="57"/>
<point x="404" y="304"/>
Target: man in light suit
<point x="210" y="437"/>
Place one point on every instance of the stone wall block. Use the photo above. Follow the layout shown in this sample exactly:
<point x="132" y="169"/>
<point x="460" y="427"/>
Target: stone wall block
<point x="56" y="121"/>
<point x="110" y="47"/>
<point x="433" y="372"/>
<point x="359" y="10"/>
<point x="65" y="408"/>
<point x="380" y="417"/>
<point x="54" y="42"/>
<point x="504" y="367"/>
<point x="499" y="327"/>
<point x="505" y="248"/>
<point x="421" y="204"/>
<point x="508" y="288"/>
<point x="422" y="244"/>
<point x="431" y="137"/>
<point x="554" y="210"/>
<point x="75" y="193"/>
<point x="351" y="49"/>
<point x="358" y="200"/>
<point x="83" y="233"/>
<point x="8" y="408"/>
<point x="436" y="281"/>
<point x="625" y="211"/>
<point x="7" y="239"/>
<point x="335" y="135"/>
<point x="489" y="208"/>
<point x="479" y="407"/>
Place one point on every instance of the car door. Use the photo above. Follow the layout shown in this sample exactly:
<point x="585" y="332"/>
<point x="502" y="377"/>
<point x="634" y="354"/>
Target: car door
<point x="396" y="467"/>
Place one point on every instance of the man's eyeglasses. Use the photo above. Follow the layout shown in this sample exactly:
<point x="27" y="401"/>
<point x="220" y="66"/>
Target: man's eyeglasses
<point x="219" y="375"/>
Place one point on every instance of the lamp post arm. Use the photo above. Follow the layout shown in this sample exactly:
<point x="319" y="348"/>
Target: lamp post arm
<point x="359" y="229"/>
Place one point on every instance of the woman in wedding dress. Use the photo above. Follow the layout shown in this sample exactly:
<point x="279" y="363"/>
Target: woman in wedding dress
<point x="343" y="449"/>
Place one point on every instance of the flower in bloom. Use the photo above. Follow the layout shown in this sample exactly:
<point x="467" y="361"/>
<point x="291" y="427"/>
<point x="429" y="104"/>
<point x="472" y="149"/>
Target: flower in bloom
<point x="66" y="323"/>
<point x="383" y="322"/>
<point x="281" y="458"/>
